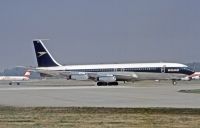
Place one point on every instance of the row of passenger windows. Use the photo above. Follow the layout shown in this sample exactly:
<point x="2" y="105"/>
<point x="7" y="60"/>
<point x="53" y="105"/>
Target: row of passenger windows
<point x="115" y="70"/>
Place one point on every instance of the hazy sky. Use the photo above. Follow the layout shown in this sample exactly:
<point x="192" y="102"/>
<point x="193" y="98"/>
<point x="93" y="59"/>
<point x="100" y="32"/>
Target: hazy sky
<point x="100" y="31"/>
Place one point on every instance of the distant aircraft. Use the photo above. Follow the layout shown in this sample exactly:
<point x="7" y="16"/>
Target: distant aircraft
<point x="194" y="76"/>
<point x="16" y="79"/>
<point x="109" y="74"/>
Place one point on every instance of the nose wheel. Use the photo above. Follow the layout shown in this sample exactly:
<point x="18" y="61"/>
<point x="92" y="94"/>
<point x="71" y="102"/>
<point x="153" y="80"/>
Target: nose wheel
<point x="174" y="82"/>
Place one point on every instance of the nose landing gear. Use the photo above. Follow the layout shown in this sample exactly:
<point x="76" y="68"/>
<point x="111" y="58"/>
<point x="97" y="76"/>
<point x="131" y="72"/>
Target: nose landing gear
<point x="174" y="82"/>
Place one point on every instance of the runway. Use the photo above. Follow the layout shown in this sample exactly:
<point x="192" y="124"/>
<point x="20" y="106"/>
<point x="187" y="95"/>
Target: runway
<point x="78" y="94"/>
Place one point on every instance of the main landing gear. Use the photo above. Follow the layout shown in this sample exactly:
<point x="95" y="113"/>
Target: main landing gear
<point x="107" y="83"/>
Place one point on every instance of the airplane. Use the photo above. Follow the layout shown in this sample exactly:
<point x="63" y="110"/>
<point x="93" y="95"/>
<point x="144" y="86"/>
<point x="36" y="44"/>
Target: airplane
<point x="109" y="74"/>
<point x="16" y="79"/>
<point x="194" y="76"/>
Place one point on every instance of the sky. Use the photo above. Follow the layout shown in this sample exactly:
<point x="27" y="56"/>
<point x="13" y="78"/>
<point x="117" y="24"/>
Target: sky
<point x="100" y="31"/>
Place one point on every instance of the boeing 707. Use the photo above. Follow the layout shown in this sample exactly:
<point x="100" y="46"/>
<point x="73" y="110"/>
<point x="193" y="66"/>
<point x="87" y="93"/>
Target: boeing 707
<point x="109" y="74"/>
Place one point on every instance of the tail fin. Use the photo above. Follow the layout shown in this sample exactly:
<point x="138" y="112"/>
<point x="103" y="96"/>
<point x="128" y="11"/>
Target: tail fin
<point x="27" y="74"/>
<point x="43" y="56"/>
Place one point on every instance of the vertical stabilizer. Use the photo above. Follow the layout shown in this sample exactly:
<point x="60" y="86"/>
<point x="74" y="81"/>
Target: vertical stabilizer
<point x="43" y="56"/>
<point x="27" y="74"/>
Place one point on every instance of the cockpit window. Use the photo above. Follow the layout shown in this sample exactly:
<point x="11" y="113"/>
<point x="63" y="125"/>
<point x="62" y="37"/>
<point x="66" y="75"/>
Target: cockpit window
<point x="189" y="69"/>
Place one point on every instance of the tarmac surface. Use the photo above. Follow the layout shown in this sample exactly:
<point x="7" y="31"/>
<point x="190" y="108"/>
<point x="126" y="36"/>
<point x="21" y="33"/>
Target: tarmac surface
<point x="62" y="93"/>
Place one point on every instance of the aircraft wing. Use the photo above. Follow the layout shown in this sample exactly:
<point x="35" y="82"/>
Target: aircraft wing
<point x="94" y="76"/>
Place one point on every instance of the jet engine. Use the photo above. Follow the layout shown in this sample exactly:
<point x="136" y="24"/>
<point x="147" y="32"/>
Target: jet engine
<point x="106" y="79"/>
<point x="79" y="77"/>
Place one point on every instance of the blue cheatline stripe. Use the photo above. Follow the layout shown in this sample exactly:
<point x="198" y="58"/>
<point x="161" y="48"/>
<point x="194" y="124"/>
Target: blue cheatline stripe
<point x="180" y="70"/>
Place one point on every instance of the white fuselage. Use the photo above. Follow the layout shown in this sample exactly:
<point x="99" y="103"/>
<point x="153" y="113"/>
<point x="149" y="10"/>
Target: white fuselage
<point x="13" y="78"/>
<point x="138" y="71"/>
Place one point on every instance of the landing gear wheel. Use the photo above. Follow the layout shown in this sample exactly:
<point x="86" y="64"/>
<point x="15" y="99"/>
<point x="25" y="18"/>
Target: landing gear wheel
<point x="107" y="83"/>
<point x="102" y="84"/>
<point x="10" y="83"/>
<point x="174" y="82"/>
<point x="113" y="83"/>
<point x="18" y="83"/>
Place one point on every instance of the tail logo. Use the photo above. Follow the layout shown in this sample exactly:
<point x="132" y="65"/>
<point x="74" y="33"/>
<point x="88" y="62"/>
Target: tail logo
<point x="41" y="54"/>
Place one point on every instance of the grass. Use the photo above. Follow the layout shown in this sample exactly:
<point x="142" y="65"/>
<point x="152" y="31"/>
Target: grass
<point x="40" y="117"/>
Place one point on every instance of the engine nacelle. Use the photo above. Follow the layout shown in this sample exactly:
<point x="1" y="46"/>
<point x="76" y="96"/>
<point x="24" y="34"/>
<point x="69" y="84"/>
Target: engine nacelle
<point x="79" y="77"/>
<point x="107" y="78"/>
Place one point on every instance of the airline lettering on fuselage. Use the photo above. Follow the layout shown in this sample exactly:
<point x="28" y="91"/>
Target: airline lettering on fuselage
<point x="173" y="70"/>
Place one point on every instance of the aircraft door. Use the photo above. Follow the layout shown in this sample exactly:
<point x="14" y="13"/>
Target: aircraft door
<point x="120" y="69"/>
<point x="163" y="69"/>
